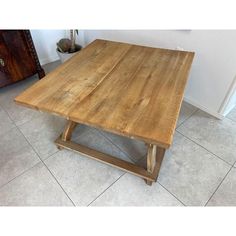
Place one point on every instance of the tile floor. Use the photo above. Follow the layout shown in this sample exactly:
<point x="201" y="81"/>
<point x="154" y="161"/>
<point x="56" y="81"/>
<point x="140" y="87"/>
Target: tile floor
<point x="198" y="170"/>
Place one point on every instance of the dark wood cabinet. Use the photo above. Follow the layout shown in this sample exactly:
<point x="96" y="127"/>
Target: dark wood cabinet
<point x="18" y="57"/>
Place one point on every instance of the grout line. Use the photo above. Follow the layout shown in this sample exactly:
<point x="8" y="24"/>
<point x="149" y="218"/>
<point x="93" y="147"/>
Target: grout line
<point x="170" y="193"/>
<point x="16" y="127"/>
<point x="40" y="159"/>
<point x="13" y="122"/>
<point x="218" y="186"/>
<point x="59" y="184"/>
<point x="47" y="166"/>
<point x="32" y="118"/>
<point x="124" y="152"/>
<point x="9" y="130"/>
<point x="110" y="141"/>
<point x="203" y="148"/>
<point x="187" y="118"/>
<point x="30" y="144"/>
<point x="9" y="118"/>
<point x="39" y="162"/>
<point x="105" y="190"/>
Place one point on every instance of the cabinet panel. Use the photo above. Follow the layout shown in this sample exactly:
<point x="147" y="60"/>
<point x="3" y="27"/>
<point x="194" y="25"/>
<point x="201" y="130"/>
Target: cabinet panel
<point x="18" y="58"/>
<point x="19" y="62"/>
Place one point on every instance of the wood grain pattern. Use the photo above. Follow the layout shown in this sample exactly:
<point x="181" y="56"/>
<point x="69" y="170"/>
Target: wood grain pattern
<point x="67" y="134"/>
<point x="126" y="89"/>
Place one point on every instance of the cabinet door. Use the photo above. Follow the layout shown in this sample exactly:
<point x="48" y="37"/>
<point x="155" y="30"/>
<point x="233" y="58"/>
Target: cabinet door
<point x="18" y="60"/>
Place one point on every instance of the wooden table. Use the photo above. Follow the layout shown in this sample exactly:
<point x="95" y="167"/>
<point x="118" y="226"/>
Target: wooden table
<point x="125" y="89"/>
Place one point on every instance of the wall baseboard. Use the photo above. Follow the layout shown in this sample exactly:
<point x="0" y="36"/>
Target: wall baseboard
<point x="49" y="59"/>
<point x="196" y="104"/>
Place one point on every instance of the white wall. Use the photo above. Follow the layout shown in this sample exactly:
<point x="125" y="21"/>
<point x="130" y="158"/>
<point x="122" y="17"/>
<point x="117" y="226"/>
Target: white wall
<point x="45" y="43"/>
<point x="214" y="66"/>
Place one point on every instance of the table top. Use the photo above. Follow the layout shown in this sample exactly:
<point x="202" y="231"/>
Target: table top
<point x="126" y="89"/>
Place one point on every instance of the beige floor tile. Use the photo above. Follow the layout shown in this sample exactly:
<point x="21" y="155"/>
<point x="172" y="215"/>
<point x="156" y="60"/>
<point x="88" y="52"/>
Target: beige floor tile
<point x="17" y="113"/>
<point x="16" y="155"/>
<point x="90" y="137"/>
<point x="41" y="133"/>
<point x="186" y="111"/>
<point x="226" y="193"/>
<point x="130" y="190"/>
<point x="190" y="172"/>
<point x="133" y="148"/>
<point x="36" y="187"/>
<point x="82" y="178"/>
<point x="218" y="136"/>
<point x="232" y="115"/>
<point x="5" y="122"/>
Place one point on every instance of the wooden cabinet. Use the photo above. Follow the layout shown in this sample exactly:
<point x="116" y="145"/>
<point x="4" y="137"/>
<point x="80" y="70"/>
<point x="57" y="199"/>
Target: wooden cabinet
<point x="18" y="57"/>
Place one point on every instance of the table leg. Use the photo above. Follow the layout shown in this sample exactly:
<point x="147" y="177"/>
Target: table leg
<point x="67" y="133"/>
<point x="151" y="160"/>
<point x="155" y="156"/>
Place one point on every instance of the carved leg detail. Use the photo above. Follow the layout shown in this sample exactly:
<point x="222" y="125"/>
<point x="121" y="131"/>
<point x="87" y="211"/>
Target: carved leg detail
<point x="67" y="133"/>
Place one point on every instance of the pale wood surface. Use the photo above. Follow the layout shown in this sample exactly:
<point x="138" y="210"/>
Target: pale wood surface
<point x="67" y="134"/>
<point x="126" y="89"/>
<point x="151" y="159"/>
